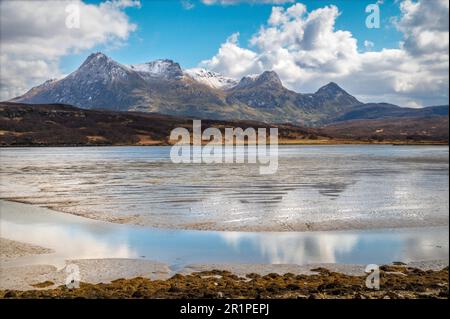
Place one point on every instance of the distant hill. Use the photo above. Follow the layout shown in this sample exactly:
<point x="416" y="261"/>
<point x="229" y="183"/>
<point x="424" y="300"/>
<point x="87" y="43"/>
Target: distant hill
<point x="59" y="125"/>
<point x="411" y="129"/>
<point x="373" y="111"/>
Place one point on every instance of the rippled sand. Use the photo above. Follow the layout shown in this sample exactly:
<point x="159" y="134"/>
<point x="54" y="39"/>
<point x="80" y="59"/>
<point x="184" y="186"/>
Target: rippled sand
<point x="315" y="188"/>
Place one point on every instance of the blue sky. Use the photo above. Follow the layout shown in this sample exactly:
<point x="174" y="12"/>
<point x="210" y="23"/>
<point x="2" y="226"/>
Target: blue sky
<point x="167" y="30"/>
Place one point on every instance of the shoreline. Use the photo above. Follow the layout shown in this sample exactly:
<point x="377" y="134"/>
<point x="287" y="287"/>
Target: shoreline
<point x="97" y="271"/>
<point x="135" y="279"/>
<point x="285" y="143"/>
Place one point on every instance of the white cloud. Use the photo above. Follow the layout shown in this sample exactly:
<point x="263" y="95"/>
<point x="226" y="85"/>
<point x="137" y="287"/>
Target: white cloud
<point x="307" y="51"/>
<point x="232" y="2"/>
<point x="126" y="3"/>
<point x="425" y="26"/>
<point x="229" y="53"/>
<point x="34" y="37"/>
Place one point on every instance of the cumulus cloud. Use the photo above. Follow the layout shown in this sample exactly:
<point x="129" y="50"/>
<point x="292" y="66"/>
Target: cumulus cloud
<point x="424" y="25"/>
<point x="34" y="37"/>
<point x="307" y="51"/>
<point x="230" y="52"/>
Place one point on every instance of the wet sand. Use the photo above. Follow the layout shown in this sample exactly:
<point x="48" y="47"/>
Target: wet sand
<point x="316" y="188"/>
<point x="94" y="271"/>
<point x="10" y="249"/>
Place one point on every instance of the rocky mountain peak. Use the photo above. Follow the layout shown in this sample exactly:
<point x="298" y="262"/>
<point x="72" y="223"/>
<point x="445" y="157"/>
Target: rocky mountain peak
<point x="162" y="68"/>
<point x="334" y="93"/>
<point x="330" y="88"/>
<point x="267" y="78"/>
<point x="246" y="81"/>
<point x="96" y="58"/>
<point x="99" y="67"/>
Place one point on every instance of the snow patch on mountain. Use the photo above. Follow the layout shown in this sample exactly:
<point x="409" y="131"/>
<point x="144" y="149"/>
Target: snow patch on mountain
<point x="158" y="69"/>
<point x="211" y="79"/>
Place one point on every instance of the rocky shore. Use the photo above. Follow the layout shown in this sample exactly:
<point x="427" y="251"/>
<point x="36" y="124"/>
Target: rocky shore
<point x="396" y="282"/>
<point x="137" y="278"/>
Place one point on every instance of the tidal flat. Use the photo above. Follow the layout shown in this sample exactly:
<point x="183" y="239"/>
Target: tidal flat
<point x="47" y="242"/>
<point x="128" y="217"/>
<point x="315" y="188"/>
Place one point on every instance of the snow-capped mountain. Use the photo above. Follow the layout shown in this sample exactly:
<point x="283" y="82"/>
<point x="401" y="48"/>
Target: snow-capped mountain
<point x="211" y="79"/>
<point x="166" y="69"/>
<point x="99" y="82"/>
<point x="98" y="66"/>
<point x="162" y="86"/>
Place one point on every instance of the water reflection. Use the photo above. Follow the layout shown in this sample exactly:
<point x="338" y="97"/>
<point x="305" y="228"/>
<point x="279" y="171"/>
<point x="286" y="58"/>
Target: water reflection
<point x="69" y="243"/>
<point x="74" y="237"/>
<point x="287" y="248"/>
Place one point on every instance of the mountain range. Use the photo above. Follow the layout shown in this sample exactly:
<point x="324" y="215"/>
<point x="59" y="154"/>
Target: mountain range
<point x="162" y="86"/>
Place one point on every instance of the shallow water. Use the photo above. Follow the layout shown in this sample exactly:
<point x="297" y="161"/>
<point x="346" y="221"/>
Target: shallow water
<point x="74" y="237"/>
<point x="316" y="187"/>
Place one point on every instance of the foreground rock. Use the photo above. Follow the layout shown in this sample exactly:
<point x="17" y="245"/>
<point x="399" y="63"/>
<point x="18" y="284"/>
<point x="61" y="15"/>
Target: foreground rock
<point x="397" y="282"/>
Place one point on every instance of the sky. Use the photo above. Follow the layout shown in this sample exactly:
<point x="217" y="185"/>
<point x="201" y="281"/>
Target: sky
<point x="308" y="43"/>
